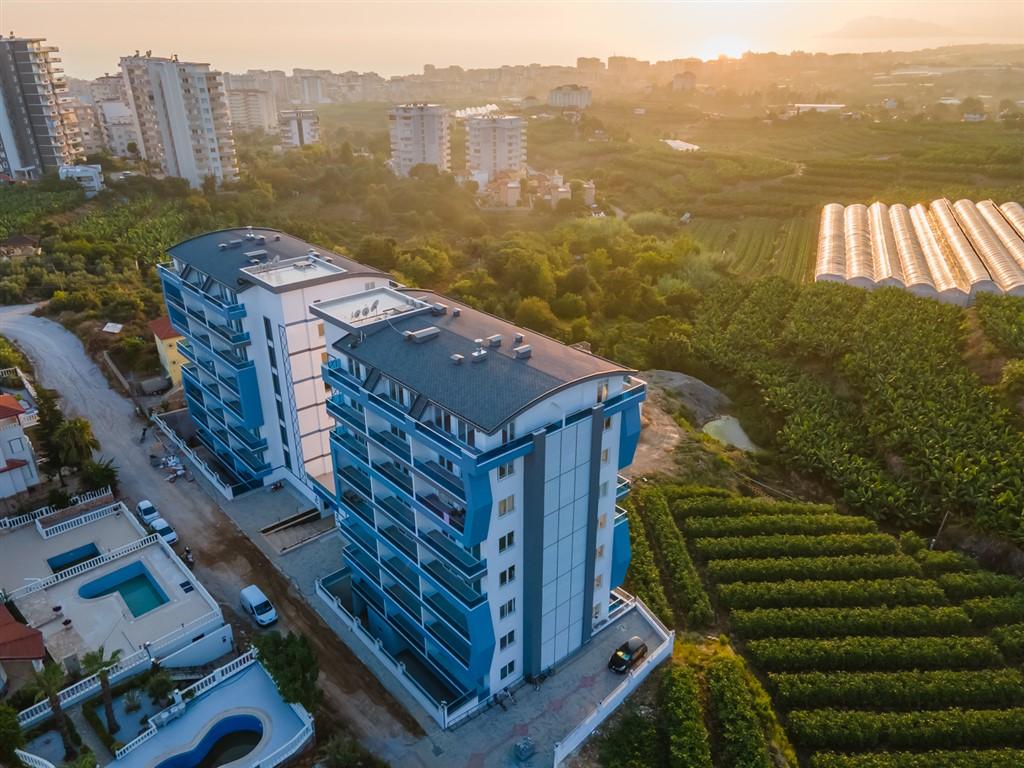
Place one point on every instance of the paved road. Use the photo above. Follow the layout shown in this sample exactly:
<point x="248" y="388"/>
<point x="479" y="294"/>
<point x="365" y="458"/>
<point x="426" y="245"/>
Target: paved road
<point x="225" y="559"/>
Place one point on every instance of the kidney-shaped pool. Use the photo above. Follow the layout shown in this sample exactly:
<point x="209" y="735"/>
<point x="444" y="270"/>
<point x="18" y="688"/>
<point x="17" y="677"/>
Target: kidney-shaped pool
<point x="228" y="740"/>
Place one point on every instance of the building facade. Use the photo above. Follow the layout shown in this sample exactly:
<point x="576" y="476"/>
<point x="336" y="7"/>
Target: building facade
<point x="88" y="177"/>
<point x="118" y="128"/>
<point x="181" y="116"/>
<point x="569" y="97"/>
<point x="495" y="144"/>
<point x="299" y="127"/>
<point x="18" y="470"/>
<point x="241" y="299"/>
<point x="166" y="339"/>
<point x="420" y="135"/>
<point x="38" y="133"/>
<point x="252" y="109"/>
<point x="89" y="131"/>
<point x="476" y="480"/>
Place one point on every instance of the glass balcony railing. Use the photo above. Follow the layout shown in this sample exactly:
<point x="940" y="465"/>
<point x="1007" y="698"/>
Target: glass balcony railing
<point x="404" y="598"/>
<point x="449" y="513"/>
<point x="398" y="511"/>
<point x="447" y="610"/>
<point x="621" y="487"/>
<point x="351" y="443"/>
<point x="402" y="572"/>
<point x="450" y="640"/>
<point x="453" y="553"/>
<point x="393" y="443"/>
<point x="357" y="505"/>
<point x="455" y="584"/>
<point x="368" y="594"/>
<point x="364" y="563"/>
<point x="442" y="477"/>
<point x="358" y="480"/>
<point x="621" y="515"/>
<point x="401" y="540"/>
<point x="339" y="409"/>
<point x="394" y="473"/>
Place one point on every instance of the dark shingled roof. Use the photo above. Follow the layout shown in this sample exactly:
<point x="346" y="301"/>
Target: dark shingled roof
<point x="487" y="393"/>
<point x="224" y="266"/>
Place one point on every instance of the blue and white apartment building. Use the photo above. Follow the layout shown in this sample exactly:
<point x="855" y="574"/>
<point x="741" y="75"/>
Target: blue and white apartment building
<point x="472" y="466"/>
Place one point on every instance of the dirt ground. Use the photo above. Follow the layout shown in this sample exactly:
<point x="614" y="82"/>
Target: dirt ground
<point x="661" y="435"/>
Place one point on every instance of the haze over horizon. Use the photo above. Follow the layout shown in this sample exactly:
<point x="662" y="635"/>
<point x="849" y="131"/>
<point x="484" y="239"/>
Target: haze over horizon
<point x="394" y="38"/>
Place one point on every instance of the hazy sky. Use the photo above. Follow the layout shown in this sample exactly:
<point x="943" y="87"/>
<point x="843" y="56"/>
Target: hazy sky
<point x="399" y="37"/>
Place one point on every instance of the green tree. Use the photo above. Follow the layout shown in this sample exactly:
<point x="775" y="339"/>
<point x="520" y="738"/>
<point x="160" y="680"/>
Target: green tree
<point x="1012" y="381"/>
<point x="99" y="474"/>
<point x="292" y="663"/>
<point x="99" y="664"/>
<point x="534" y="313"/>
<point x="50" y="421"/>
<point x="11" y="736"/>
<point x="160" y="686"/>
<point x="76" y="442"/>
<point x="49" y="682"/>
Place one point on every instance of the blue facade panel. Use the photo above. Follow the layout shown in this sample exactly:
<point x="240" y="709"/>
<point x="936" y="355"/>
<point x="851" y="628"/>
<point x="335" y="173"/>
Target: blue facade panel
<point x="620" y="551"/>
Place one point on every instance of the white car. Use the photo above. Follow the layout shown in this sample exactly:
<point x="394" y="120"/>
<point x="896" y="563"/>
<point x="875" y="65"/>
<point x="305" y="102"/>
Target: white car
<point x="147" y="511"/>
<point x="256" y="604"/>
<point x="161" y="528"/>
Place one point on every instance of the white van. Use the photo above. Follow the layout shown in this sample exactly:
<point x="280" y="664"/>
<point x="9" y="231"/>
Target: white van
<point x="256" y="604"/>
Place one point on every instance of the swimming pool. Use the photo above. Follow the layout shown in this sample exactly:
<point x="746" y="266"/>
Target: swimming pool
<point x="134" y="583"/>
<point x="228" y="740"/>
<point x="73" y="557"/>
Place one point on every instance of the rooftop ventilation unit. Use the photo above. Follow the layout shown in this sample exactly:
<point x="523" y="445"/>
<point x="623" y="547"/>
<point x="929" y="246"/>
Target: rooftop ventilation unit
<point x="423" y="334"/>
<point x="249" y="235"/>
<point x="457" y="359"/>
<point x="522" y="352"/>
<point x="261" y="239"/>
<point x="277" y="238"/>
<point x="255" y="254"/>
<point x="518" y="338"/>
<point x="478" y="356"/>
<point x="234" y="243"/>
<point x="456" y="311"/>
<point x="254" y="262"/>
<point x="438" y="309"/>
<point x="222" y="246"/>
<point x="494" y="341"/>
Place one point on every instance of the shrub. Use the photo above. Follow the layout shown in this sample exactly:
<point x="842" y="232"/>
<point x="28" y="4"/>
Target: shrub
<point x="159" y="686"/>
<point x="291" y="661"/>
<point x="764" y="525"/>
<point x="937" y="689"/>
<point x="633" y="743"/>
<point x="853" y="730"/>
<point x="842" y="567"/>
<point x="874" y="653"/>
<point x="988" y="758"/>
<point x="861" y="592"/>
<point x="911" y="543"/>
<point x="643" y="577"/>
<point x="987" y="612"/>
<point x="742" y="740"/>
<point x="682" y="720"/>
<point x="934" y="563"/>
<point x="1010" y="641"/>
<point x="902" y="621"/>
<point x="737" y="506"/>
<point x="963" y="586"/>
<point x="132" y="701"/>
<point x="796" y="546"/>
<point x="678" y="571"/>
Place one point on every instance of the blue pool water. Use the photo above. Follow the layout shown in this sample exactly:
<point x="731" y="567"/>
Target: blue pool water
<point x="135" y="584"/>
<point x="230" y="739"/>
<point x="73" y="557"/>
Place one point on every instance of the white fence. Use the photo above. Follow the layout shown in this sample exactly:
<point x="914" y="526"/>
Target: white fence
<point x="78" y="522"/>
<point x="9" y="523"/>
<point x="607" y="705"/>
<point x="32" y="761"/>
<point x="294" y="745"/>
<point x="201" y="465"/>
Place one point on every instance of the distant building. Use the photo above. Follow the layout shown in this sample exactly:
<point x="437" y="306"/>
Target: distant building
<point x="108" y="88"/>
<point x="684" y="81"/>
<point x="252" y="109"/>
<point x="18" y="470"/>
<point x="118" y="127"/>
<point x="311" y="87"/>
<point x="420" y="135"/>
<point x="167" y="338"/>
<point x="495" y="144"/>
<point x="589" y="193"/>
<point x="37" y="132"/>
<point x="974" y="117"/>
<point x="89" y="177"/>
<point x="19" y="246"/>
<point x="299" y="127"/>
<point x="569" y="96"/>
<point x="88" y="126"/>
<point x="890" y="104"/>
<point x="182" y="118"/>
<point x="511" y="193"/>
<point x="589" y="64"/>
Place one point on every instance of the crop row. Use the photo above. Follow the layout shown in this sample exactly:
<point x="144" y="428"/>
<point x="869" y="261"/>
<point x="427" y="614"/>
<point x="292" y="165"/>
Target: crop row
<point x="848" y="567"/>
<point x="764" y="525"/>
<point x="860" y="592"/>
<point x="682" y="719"/>
<point x="902" y="621"/>
<point x="643" y="578"/>
<point x="963" y="586"/>
<point x="795" y="546"/>
<point x="874" y="653"/>
<point x="853" y="730"/>
<point x="743" y="743"/>
<point x="980" y="758"/>
<point x="987" y="612"/>
<point x="935" y="563"/>
<point x="740" y="506"/>
<point x="1010" y="641"/>
<point x="938" y="689"/>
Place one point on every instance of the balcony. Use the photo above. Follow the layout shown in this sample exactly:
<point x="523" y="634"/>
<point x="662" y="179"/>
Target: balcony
<point x="450" y="641"/>
<point x="357" y="479"/>
<point x="350" y="443"/>
<point x="252" y="440"/>
<point x="368" y="594"/>
<point x="442" y="477"/>
<point x="387" y="407"/>
<point x="363" y="563"/>
<point x="352" y="502"/>
<point x="446" y="610"/>
<point x="453" y="554"/>
<point x="335" y="374"/>
<point x="446" y="578"/>
<point x="393" y="472"/>
<point x="229" y="334"/>
<point x="399" y="511"/>
<point x="400" y="570"/>
<point x="407" y="629"/>
<point x="393" y="444"/>
<point x="450" y="514"/>
<point x="621" y="515"/>
<point x="401" y="540"/>
<point x="405" y="598"/>
<point x="339" y="409"/>
<point x="621" y="488"/>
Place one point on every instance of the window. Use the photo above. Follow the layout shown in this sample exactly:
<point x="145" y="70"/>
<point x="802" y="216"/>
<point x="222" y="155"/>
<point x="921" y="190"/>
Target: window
<point x="506" y="505"/>
<point x="397" y="432"/>
<point x="271" y="356"/>
<point x="284" y="436"/>
<point x="320" y="330"/>
<point x="445" y="462"/>
<point x="507" y="639"/>
<point x="280" y="411"/>
<point x="508" y="669"/>
<point x="598" y="581"/>
<point x="506" y="541"/>
<point x="504" y="470"/>
<point x="607" y="422"/>
<point x="602" y="391"/>
<point x="508" y="432"/>
<point x="466" y="433"/>
<point x="604" y="456"/>
<point x="17" y="444"/>
<point x="602" y="521"/>
<point x="599" y="553"/>
<point x="277" y="385"/>
<point x="442" y="419"/>
<point x="507" y="609"/>
<point x="597" y="610"/>
<point x="323" y="358"/>
<point x="604" y="489"/>
<point x="507" y="576"/>
<point x="287" y="459"/>
<point x="266" y="330"/>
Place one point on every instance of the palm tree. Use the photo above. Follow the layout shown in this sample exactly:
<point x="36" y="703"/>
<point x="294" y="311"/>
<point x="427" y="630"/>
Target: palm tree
<point x="76" y="442"/>
<point x="49" y="683"/>
<point x="99" y="664"/>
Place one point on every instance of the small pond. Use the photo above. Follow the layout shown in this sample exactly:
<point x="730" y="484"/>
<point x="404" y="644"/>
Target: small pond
<point x="729" y="431"/>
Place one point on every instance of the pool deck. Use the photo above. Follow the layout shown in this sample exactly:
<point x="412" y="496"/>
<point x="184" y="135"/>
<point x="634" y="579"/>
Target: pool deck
<point x="25" y="552"/>
<point x="251" y="692"/>
<point x="107" y="620"/>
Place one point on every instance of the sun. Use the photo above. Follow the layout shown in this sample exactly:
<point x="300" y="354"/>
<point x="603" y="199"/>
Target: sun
<point x="724" y="45"/>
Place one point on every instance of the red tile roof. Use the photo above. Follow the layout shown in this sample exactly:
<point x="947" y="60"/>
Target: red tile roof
<point x="18" y="642"/>
<point x="9" y="406"/>
<point x="162" y="328"/>
<point x="12" y="464"/>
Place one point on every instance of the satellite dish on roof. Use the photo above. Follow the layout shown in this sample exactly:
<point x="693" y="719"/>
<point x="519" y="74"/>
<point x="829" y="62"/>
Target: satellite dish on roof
<point x="366" y="311"/>
<point x="376" y="303"/>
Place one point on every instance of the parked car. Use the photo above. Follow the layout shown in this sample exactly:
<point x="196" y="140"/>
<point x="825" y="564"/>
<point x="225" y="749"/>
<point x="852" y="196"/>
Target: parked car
<point x="256" y="604"/>
<point x="627" y="655"/>
<point x="162" y="528"/>
<point x="147" y="511"/>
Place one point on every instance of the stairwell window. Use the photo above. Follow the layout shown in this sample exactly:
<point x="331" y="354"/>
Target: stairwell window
<point x="507" y="576"/>
<point x="506" y="505"/>
<point x="507" y="639"/>
<point x="507" y="609"/>
<point x="602" y="390"/>
<point x="505" y="470"/>
<point x="598" y="581"/>
<point x="506" y="541"/>
<point x="508" y="669"/>
<point x="607" y="423"/>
